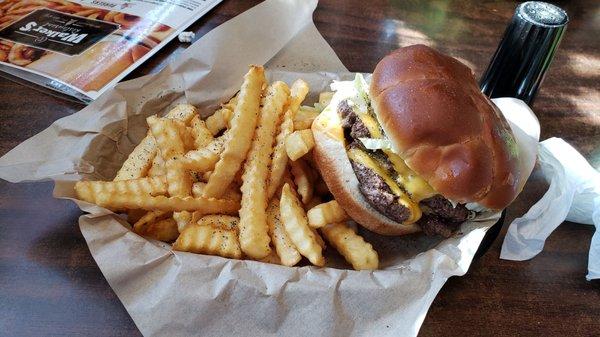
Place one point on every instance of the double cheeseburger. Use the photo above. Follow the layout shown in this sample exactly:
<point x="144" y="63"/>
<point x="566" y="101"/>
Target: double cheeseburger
<point x="418" y="148"/>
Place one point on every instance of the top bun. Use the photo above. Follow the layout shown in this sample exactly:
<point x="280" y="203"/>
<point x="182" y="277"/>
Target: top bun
<point x="445" y="129"/>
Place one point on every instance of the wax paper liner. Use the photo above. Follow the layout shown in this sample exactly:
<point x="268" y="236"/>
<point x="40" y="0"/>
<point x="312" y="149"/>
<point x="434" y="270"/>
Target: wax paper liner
<point x="180" y="294"/>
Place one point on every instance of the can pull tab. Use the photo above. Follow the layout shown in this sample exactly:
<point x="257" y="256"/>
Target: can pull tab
<point x="525" y="52"/>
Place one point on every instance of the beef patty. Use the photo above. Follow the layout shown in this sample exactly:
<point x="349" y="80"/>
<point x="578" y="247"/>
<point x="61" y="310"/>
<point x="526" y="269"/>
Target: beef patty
<point x="433" y="225"/>
<point x="443" y="208"/>
<point x="378" y="193"/>
<point x="353" y="127"/>
<point x="439" y="215"/>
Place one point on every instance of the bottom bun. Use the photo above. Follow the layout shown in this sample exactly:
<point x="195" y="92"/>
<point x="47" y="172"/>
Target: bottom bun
<point x="335" y="168"/>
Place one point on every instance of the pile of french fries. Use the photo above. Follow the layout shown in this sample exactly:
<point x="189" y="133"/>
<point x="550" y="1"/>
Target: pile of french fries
<point x="239" y="184"/>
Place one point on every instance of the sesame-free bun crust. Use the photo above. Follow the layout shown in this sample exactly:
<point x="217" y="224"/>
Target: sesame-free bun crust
<point x="335" y="168"/>
<point x="444" y="128"/>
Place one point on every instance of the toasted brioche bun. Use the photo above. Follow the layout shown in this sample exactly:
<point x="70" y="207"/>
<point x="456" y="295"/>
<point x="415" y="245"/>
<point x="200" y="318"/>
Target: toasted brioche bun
<point x="333" y="163"/>
<point x="444" y="128"/>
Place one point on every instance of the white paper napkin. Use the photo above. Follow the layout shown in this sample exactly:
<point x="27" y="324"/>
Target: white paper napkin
<point x="573" y="195"/>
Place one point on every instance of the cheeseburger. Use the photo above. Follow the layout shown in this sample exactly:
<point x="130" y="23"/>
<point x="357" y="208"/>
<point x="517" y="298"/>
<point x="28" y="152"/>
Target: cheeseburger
<point x="419" y="148"/>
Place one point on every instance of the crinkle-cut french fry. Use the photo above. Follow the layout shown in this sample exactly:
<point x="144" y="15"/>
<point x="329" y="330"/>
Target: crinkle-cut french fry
<point x="279" y="162"/>
<point x="149" y="217"/>
<point x="299" y="143"/>
<point x="197" y="189"/>
<point x="182" y="112"/>
<point x="303" y="179"/>
<point x="197" y="216"/>
<point x="204" y="160"/>
<point x="239" y="140"/>
<point x="202" y="136"/>
<point x="232" y="193"/>
<point x="162" y="230"/>
<point x="166" y="132"/>
<point x="178" y="179"/>
<point x="178" y="169"/>
<point x="287" y="252"/>
<point x="325" y="98"/>
<point x="168" y="204"/>
<point x="208" y="240"/>
<point x="272" y="258"/>
<point x="227" y="222"/>
<point x="219" y="120"/>
<point x="201" y="162"/>
<point x="139" y="160"/>
<point x="254" y="232"/>
<point x="280" y="158"/>
<point x="158" y="166"/>
<point x="359" y="253"/>
<point x="187" y="137"/>
<point x="183" y="219"/>
<point x="296" y="226"/>
<point x="325" y="213"/>
<point x="315" y="200"/>
<point x="151" y="186"/>
<point x="298" y="93"/>
<point x="304" y="118"/>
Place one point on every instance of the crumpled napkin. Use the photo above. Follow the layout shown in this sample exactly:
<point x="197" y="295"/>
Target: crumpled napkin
<point x="573" y="195"/>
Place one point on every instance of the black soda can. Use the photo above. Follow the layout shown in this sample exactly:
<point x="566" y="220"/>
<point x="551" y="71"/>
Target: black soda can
<point x="519" y="64"/>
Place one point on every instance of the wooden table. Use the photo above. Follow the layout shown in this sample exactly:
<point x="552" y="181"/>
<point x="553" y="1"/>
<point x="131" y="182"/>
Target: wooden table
<point x="50" y="285"/>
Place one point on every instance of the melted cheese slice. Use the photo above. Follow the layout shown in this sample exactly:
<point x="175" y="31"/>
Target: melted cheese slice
<point x="416" y="186"/>
<point x="371" y="124"/>
<point x="364" y="159"/>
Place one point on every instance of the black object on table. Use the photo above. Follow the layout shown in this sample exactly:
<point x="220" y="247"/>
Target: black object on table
<point x="525" y="52"/>
<point x="519" y="64"/>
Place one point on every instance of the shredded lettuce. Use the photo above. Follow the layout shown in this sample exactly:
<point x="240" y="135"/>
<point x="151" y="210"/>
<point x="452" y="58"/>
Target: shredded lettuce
<point x="376" y="144"/>
<point x="454" y="203"/>
<point x="355" y="91"/>
<point x="345" y="89"/>
<point x="476" y="207"/>
<point x="362" y="89"/>
<point x="471" y="206"/>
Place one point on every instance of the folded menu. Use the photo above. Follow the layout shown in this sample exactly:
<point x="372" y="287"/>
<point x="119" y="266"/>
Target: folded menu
<point x="82" y="48"/>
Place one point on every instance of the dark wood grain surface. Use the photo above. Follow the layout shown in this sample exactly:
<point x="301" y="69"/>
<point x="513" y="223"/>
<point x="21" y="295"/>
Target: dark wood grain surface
<point x="50" y="284"/>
